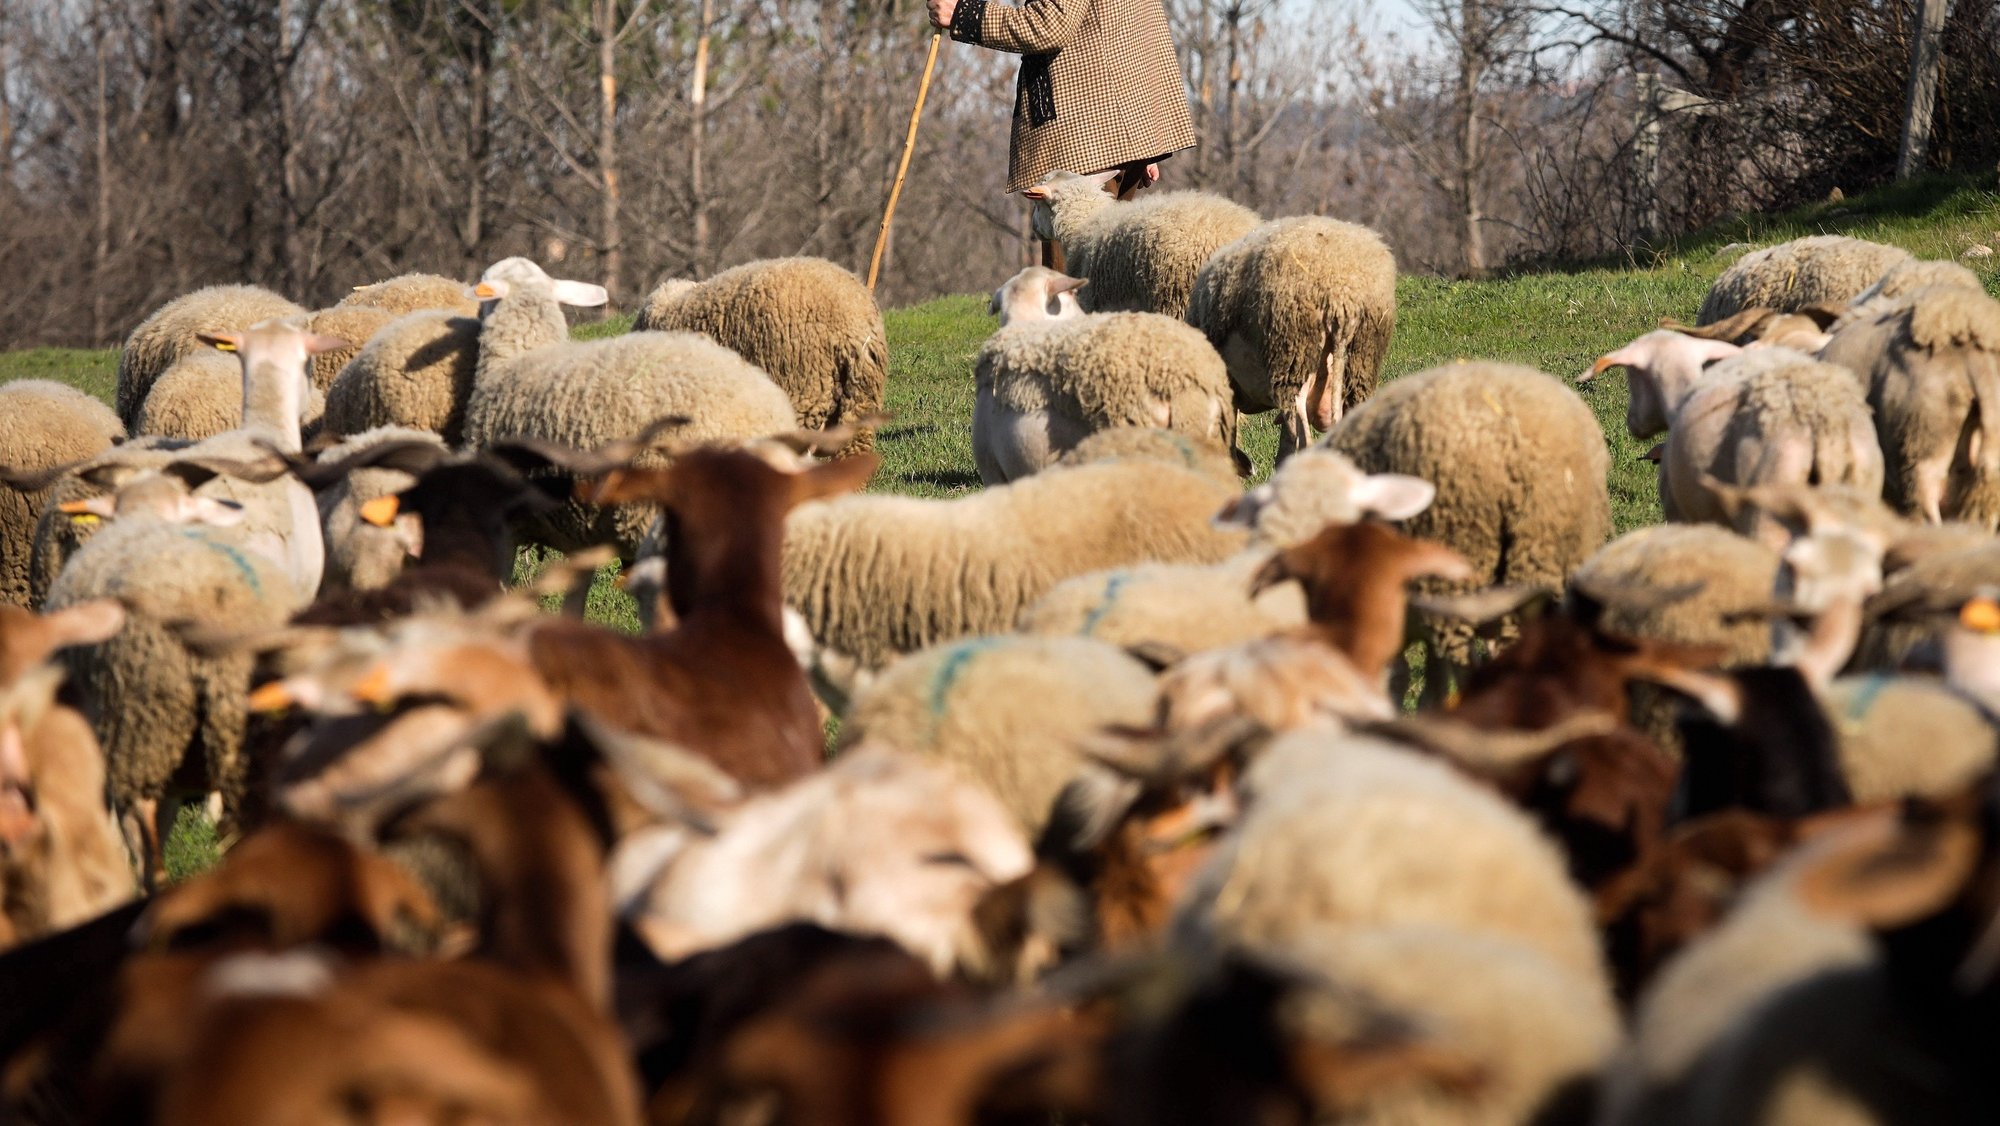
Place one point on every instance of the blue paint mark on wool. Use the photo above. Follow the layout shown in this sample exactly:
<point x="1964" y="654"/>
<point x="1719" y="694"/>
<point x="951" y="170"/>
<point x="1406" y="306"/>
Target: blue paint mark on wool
<point x="948" y="673"/>
<point x="235" y="556"/>
<point x="1112" y="589"/>
<point x="1865" y="699"/>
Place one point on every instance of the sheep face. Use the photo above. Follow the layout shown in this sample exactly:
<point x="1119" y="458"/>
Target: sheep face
<point x="510" y="274"/>
<point x="275" y="355"/>
<point x="1661" y="368"/>
<point x="1037" y="294"/>
<point x="1059" y="192"/>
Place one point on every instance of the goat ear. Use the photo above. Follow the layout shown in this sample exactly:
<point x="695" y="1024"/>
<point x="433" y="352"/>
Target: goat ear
<point x="1277" y="569"/>
<point x="85" y="623"/>
<point x="1438" y="561"/>
<point x="1884" y="875"/>
<point x="833" y="478"/>
<point x="627" y="486"/>
<point x="583" y="295"/>
<point x="1393" y="496"/>
<point x="221" y="341"/>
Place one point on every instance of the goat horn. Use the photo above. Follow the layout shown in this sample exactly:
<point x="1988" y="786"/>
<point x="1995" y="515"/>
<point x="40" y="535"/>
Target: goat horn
<point x="1482" y="606"/>
<point x="406" y="455"/>
<point x="1730" y="328"/>
<point x="1475" y="746"/>
<point x="1634" y="597"/>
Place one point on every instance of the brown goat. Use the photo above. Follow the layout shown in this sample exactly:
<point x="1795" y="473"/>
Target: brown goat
<point x="723" y="683"/>
<point x="1354" y="577"/>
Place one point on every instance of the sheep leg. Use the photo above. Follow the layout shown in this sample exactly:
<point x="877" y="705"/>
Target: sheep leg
<point x="1928" y="478"/>
<point x="1295" y="433"/>
<point x="146" y="835"/>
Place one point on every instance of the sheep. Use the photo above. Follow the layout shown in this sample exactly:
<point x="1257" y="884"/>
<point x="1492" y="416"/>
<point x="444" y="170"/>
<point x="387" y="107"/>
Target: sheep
<point x="1759" y="416"/>
<point x="963" y="704"/>
<point x="1181" y="608"/>
<point x="1141" y="256"/>
<point x="416" y="371"/>
<point x="152" y="700"/>
<point x="880" y="576"/>
<point x="407" y="293"/>
<point x="1900" y="283"/>
<point x="878" y="843"/>
<point x="1733" y="576"/>
<point x="1044" y="386"/>
<point x="532" y="382"/>
<point x="1037" y="294"/>
<point x="199" y="396"/>
<point x="1908" y="736"/>
<point x="1931" y="364"/>
<point x="352" y="323"/>
<point x="810" y="325"/>
<point x="61" y="861"/>
<point x="1519" y="464"/>
<point x="172" y="332"/>
<point x="1902" y="623"/>
<point x="43" y="425"/>
<point x="1151" y="443"/>
<point x="59" y="533"/>
<point x="361" y="555"/>
<point x="1820" y="269"/>
<point x="1347" y="833"/>
<point x="1301" y="310"/>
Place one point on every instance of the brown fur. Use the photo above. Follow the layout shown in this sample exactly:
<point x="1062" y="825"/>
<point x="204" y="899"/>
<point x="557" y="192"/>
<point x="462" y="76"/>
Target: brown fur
<point x="724" y="683"/>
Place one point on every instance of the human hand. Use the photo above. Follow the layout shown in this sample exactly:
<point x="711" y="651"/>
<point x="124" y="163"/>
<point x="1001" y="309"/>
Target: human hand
<point x="942" y="11"/>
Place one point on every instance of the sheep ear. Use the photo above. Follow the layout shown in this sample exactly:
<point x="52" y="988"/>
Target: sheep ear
<point x="1063" y="283"/>
<point x="833" y="478"/>
<point x="1393" y="496"/>
<point x="221" y="341"/>
<point x="583" y="295"/>
<point x="215" y="513"/>
<point x="1102" y="179"/>
<point x="85" y="623"/>
<point x="317" y="343"/>
<point x="1709" y="351"/>
<point x="1655" y="455"/>
<point x="1038" y="193"/>
<point x="103" y="507"/>
<point x="1623" y="357"/>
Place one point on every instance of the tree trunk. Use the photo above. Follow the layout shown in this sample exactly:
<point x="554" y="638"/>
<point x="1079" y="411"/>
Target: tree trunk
<point x="697" y="132"/>
<point x="1920" y="99"/>
<point x="292" y="268"/>
<point x="478" y="145"/>
<point x="1231" y="138"/>
<point x="606" y="13"/>
<point x="1471" y="72"/>
<point x="100" y="259"/>
<point x="823" y="184"/>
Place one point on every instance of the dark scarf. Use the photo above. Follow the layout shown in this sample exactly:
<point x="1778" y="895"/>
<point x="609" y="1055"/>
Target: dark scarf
<point x="1037" y="86"/>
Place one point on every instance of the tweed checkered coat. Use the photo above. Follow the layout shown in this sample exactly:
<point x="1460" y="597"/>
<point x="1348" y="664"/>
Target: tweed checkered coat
<point x="1099" y="84"/>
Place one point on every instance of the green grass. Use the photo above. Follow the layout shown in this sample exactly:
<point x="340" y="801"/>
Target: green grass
<point x="1555" y="318"/>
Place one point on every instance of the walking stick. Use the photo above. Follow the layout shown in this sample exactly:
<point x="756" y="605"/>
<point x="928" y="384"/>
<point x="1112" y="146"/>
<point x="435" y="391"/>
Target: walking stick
<point x="903" y="169"/>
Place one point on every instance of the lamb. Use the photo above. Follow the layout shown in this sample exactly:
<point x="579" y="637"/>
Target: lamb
<point x="810" y="325"/>
<point x="1472" y="430"/>
<point x="879" y="576"/>
<point x="1141" y="256"/>
<point x="59" y="533"/>
<point x="1302" y="310"/>
<point x="1820" y="269"/>
<point x="43" y="425"/>
<point x="962" y="704"/>
<point x="1182" y="609"/>
<point x="1037" y="294"/>
<point x="172" y="332"/>
<point x="1045" y="385"/>
<point x="416" y="371"/>
<point x="1931" y="365"/>
<point x="1347" y="834"/>
<point x="1760" y="416"/>
<point x="61" y="862"/>
<point x="532" y="382"/>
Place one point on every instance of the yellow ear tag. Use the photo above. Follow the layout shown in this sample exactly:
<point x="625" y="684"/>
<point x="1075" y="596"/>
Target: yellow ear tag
<point x="1981" y="615"/>
<point x="224" y="346"/>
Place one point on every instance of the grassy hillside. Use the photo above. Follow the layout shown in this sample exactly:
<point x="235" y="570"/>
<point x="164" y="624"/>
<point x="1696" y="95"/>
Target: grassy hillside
<point x="1557" y="321"/>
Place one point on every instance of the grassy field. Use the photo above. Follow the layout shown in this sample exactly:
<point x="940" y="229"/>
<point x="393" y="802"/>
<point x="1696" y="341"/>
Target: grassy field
<point x="1557" y="319"/>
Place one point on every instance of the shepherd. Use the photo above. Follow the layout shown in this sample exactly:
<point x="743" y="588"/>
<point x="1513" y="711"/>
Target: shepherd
<point x="1100" y="88"/>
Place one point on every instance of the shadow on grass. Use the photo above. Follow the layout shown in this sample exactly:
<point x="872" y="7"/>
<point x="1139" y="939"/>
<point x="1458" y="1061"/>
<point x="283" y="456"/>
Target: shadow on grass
<point x="941" y="478"/>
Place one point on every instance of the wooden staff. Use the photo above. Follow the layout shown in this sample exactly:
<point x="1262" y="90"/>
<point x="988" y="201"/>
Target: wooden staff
<point x="903" y="169"/>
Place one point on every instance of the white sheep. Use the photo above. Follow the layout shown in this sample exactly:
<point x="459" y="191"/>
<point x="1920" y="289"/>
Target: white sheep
<point x="43" y="425"/>
<point x="1046" y="383"/>
<point x="1819" y="269"/>
<point x="173" y="331"/>
<point x="1140" y="256"/>
<point x="1302" y="310"/>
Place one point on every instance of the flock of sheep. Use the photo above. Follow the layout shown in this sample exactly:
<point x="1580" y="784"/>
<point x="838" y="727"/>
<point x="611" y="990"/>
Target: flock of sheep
<point x="1128" y="822"/>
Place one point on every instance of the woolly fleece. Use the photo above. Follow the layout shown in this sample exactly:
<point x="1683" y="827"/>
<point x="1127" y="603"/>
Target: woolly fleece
<point x="1819" y="269"/>
<point x="43" y="424"/>
<point x="170" y="333"/>
<point x="416" y="371"/>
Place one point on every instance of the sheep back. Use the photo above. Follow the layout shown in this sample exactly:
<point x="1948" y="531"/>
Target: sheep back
<point x="417" y="371"/>
<point x="1820" y="269"/>
<point x="1011" y="713"/>
<point x="1185" y="608"/>
<point x="148" y="697"/>
<point x="1143" y="256"/>
<point x="1902" y="737"/>
<point x="199" y="396"/>
<point x="43" y="424"/>
<point x="352" y="323"/>
<point x="1345" y="834"/>
<point x="169" y="334"/>
<point x="1148" y="442"/>
<point x="1519" y="463"/>
<point x="1293" y="298"/>
<point x="407" y="293"/>
<point x="876" y="576"/>
<point x="1111" y="370"/>
<point x="811" y="325"/>
<point x="585" y="394"/>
